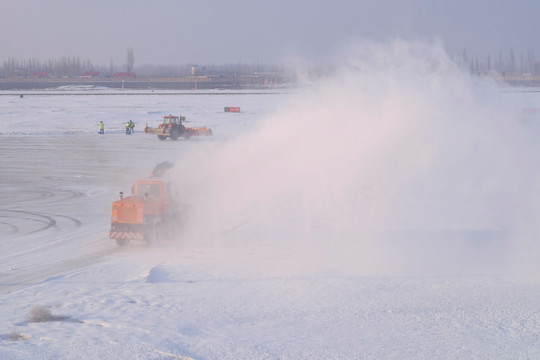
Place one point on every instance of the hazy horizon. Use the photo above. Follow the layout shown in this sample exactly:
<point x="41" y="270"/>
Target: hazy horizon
<point x="167" y="32"/>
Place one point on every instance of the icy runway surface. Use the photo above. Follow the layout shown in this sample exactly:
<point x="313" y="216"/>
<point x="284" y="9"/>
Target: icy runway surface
<point x="313" y="233"/>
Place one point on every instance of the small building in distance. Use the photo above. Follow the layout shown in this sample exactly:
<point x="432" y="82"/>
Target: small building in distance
<point x="197" y="70"/>
<point x="40" y="74"/>
<point x="91" y="74"/>
<point x="129" y="75"/>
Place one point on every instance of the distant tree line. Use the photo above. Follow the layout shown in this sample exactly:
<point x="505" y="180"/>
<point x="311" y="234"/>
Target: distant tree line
<point x="503" y="64"/>
<point x="73" y="66"/>
<point x="65" y="66"/>
<point x="510" y="64"/>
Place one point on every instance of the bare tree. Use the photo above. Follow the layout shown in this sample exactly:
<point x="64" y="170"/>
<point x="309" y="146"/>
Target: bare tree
<point x="512" y="62"/>
<point x="130" y="59"/>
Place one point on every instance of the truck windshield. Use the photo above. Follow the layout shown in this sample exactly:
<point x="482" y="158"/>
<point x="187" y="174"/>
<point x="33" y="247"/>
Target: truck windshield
<point x="153" y="190"/>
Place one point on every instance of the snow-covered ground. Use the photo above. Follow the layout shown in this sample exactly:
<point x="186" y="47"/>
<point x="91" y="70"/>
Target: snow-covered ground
<point x="388" y="214"/>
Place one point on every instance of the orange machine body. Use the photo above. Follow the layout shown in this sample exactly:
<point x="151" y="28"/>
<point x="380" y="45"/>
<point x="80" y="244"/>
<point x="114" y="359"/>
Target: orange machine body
<point x="134" y="217"/>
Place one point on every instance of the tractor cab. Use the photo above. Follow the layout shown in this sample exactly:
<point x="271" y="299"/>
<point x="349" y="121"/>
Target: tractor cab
<point x="170" y="121"/>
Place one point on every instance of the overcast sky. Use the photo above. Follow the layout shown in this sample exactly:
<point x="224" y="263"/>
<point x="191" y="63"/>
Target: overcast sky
<point x="247" y="31"/>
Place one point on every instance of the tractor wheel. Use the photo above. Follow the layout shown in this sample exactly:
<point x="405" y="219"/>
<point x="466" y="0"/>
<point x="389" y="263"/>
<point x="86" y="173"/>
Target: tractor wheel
<point x="175" y="133"/>
<point x="187" y="134"/>
<point x="161" y="137"/>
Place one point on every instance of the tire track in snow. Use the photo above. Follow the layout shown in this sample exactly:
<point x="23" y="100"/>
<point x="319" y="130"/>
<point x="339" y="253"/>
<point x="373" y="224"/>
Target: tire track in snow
<point x="15" y="229"/>
<point x="48" y="220"/>
<point x="14" y="196"/>
<point x="33" y="217"/>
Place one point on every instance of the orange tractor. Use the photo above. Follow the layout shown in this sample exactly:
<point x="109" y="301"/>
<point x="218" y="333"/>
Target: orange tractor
<point x="149" y="214"/>
<point x="172" y="127"/>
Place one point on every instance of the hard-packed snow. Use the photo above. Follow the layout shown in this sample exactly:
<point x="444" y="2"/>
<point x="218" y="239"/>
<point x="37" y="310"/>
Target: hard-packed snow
<point x="335" y="221"/>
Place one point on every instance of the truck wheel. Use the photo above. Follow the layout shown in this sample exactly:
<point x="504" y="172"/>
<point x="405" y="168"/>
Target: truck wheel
<point x="149" y="236"/>
<point x="153" y="235"/>
<point x="122" y="242"/>
<point x="175" y="133"/>
<point x="161" y="137"/>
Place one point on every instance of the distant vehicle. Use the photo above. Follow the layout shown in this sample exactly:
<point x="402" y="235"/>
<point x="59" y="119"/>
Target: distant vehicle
<point x="172" y="127"/>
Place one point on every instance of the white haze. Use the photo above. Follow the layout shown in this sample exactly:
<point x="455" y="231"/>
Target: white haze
<point x="397" y="162"/>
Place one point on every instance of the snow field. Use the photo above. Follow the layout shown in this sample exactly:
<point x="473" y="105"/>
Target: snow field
<point x="194" y="305"/>
<point x="386" y="212"/>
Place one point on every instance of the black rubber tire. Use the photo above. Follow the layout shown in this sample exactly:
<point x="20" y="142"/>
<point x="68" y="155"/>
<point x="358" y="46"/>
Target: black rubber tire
<point x="175" y="134"/>
<point x="161" y="137"/>
<point x="154" y="235"/>
<point x="122" y="242"/>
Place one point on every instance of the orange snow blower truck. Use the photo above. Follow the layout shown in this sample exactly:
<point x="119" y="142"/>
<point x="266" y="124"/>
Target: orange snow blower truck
<point x="172" y="127"/>
<point x="149" y="214"/>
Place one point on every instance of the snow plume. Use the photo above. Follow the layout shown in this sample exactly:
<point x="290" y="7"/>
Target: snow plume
<point x="395" y="161"/>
